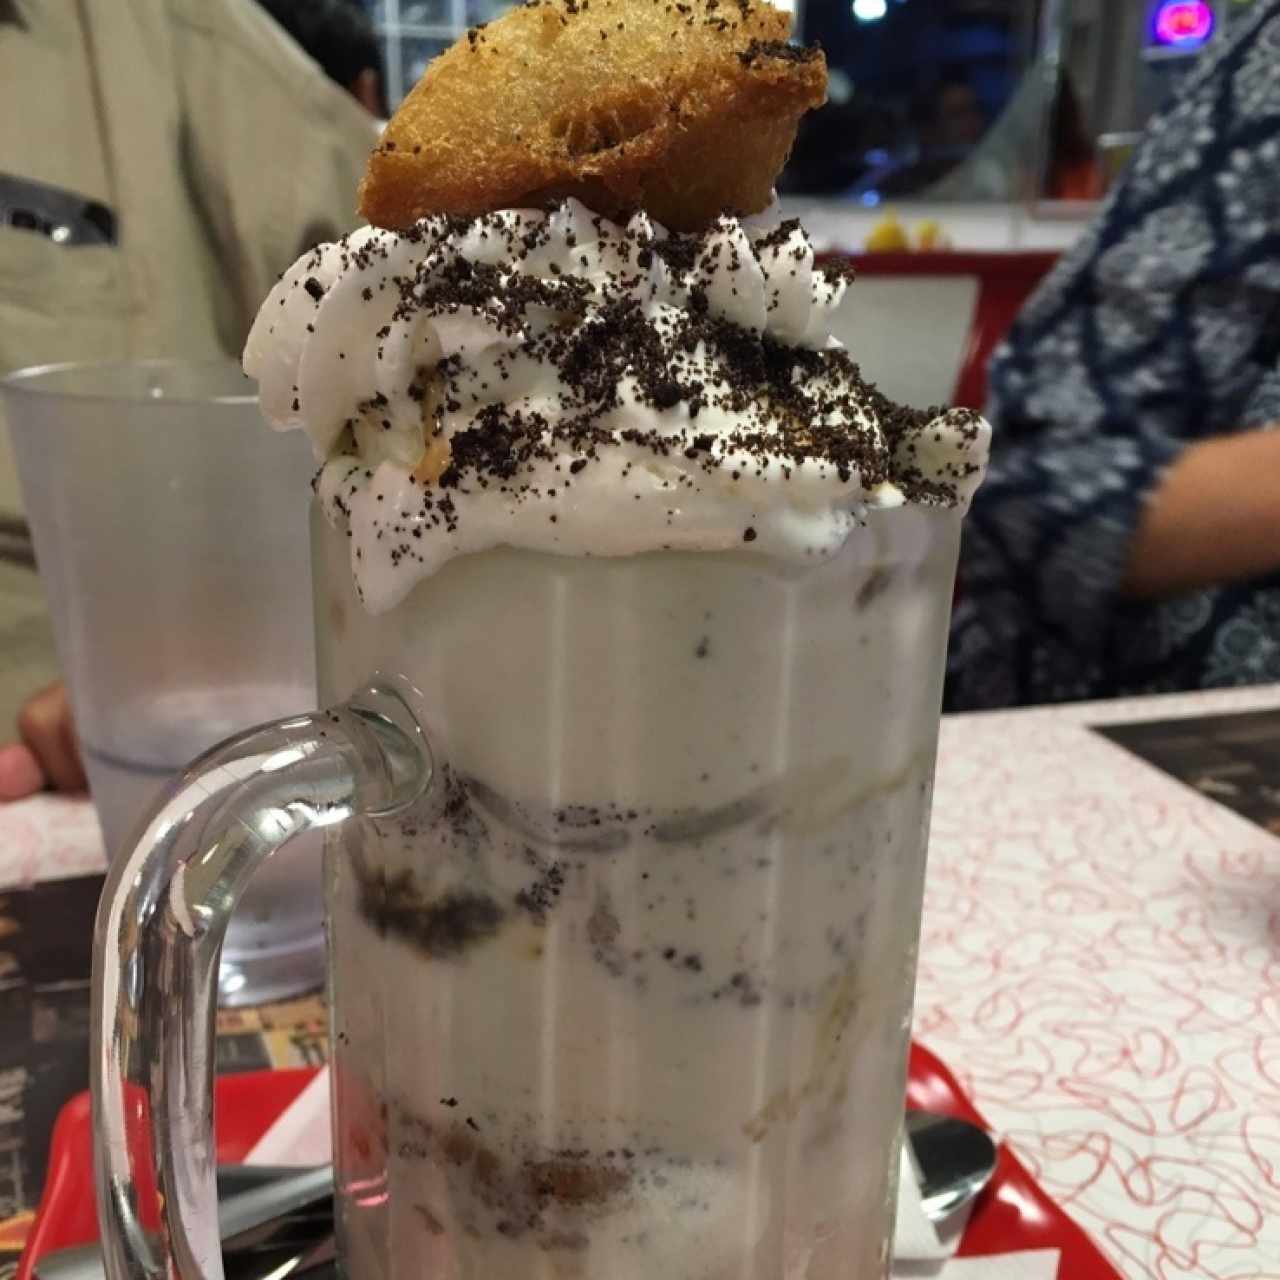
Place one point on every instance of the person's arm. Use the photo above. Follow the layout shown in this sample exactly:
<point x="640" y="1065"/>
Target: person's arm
<point x="1111" y="477"/>
<point x="1045" y="552"/>
<point x="1214" y="517"/>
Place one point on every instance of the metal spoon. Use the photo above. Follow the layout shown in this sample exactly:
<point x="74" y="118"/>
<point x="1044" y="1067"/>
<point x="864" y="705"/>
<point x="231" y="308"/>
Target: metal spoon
<point x="953" y="1159"/>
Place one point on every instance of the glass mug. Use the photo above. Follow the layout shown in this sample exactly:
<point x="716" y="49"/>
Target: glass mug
<point x="624" y="866"/>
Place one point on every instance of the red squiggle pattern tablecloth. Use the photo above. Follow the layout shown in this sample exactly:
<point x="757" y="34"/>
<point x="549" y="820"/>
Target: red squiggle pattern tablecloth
<point x="1100" y="966"/>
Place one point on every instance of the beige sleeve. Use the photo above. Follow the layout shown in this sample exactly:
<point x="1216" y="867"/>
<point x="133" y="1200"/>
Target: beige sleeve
<point x="273" y="150"/>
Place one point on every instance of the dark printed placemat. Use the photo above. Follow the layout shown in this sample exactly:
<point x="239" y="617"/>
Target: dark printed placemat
<point x="1233" y="759"/>
<point x="46" y="935"/>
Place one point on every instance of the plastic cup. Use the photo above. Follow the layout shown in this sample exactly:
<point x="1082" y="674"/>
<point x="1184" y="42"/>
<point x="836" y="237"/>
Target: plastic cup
<point x="170" y="530"/>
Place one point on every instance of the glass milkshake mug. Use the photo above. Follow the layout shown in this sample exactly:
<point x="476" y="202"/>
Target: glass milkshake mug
<point x="624" y="865"/>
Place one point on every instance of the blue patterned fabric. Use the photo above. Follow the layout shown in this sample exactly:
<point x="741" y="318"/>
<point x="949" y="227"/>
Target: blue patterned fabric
<point x="1160" y="328"/>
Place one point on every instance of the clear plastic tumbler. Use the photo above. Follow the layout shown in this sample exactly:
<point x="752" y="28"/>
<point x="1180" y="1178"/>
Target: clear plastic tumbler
<point x="170" y="531"/>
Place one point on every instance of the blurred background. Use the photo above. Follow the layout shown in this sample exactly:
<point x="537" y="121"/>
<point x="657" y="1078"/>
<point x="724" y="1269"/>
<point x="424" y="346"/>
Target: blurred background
<point x="1000" y="121"/>
<point x="995" y="124"/>
<point x="988" y="100"/>
<point x="965" y="148"/>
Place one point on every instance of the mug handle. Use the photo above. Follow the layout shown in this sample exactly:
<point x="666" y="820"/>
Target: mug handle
<point x="157" y="941"/>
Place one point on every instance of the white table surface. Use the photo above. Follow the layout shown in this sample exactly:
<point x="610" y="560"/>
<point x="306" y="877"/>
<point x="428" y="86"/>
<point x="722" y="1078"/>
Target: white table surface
<point x="1100" y="966"/>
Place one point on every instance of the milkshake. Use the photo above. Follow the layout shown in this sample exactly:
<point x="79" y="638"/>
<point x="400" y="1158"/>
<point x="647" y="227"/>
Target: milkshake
<point x="628" y="994"/>
<point x="666" y="584"/>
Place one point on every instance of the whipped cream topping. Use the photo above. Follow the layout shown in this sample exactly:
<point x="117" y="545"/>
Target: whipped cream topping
<point x="558" y="382"/>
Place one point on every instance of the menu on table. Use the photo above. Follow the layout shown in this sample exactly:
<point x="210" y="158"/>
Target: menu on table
<point x="1233" y="759"/>
<point x="46" y="934"/>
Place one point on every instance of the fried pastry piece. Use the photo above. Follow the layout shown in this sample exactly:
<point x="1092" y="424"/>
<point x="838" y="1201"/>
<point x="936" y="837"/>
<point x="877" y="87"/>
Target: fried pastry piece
<point x="685" y="110"/>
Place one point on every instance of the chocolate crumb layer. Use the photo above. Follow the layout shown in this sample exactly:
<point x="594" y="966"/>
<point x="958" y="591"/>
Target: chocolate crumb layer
<point x="442" y="928"/>
<point x="794" y="403"/>
<point x="517" y="378"/>
<point x="547" y="1196"/>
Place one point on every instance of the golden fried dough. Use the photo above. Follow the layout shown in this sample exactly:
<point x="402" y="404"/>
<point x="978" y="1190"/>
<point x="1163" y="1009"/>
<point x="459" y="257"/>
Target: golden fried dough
<point x="685" y="110"/>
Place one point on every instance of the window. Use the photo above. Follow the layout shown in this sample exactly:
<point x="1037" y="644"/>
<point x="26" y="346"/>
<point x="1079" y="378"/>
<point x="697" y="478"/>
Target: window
<point x="915" y="86"/>
<point x="992" y="99"/>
